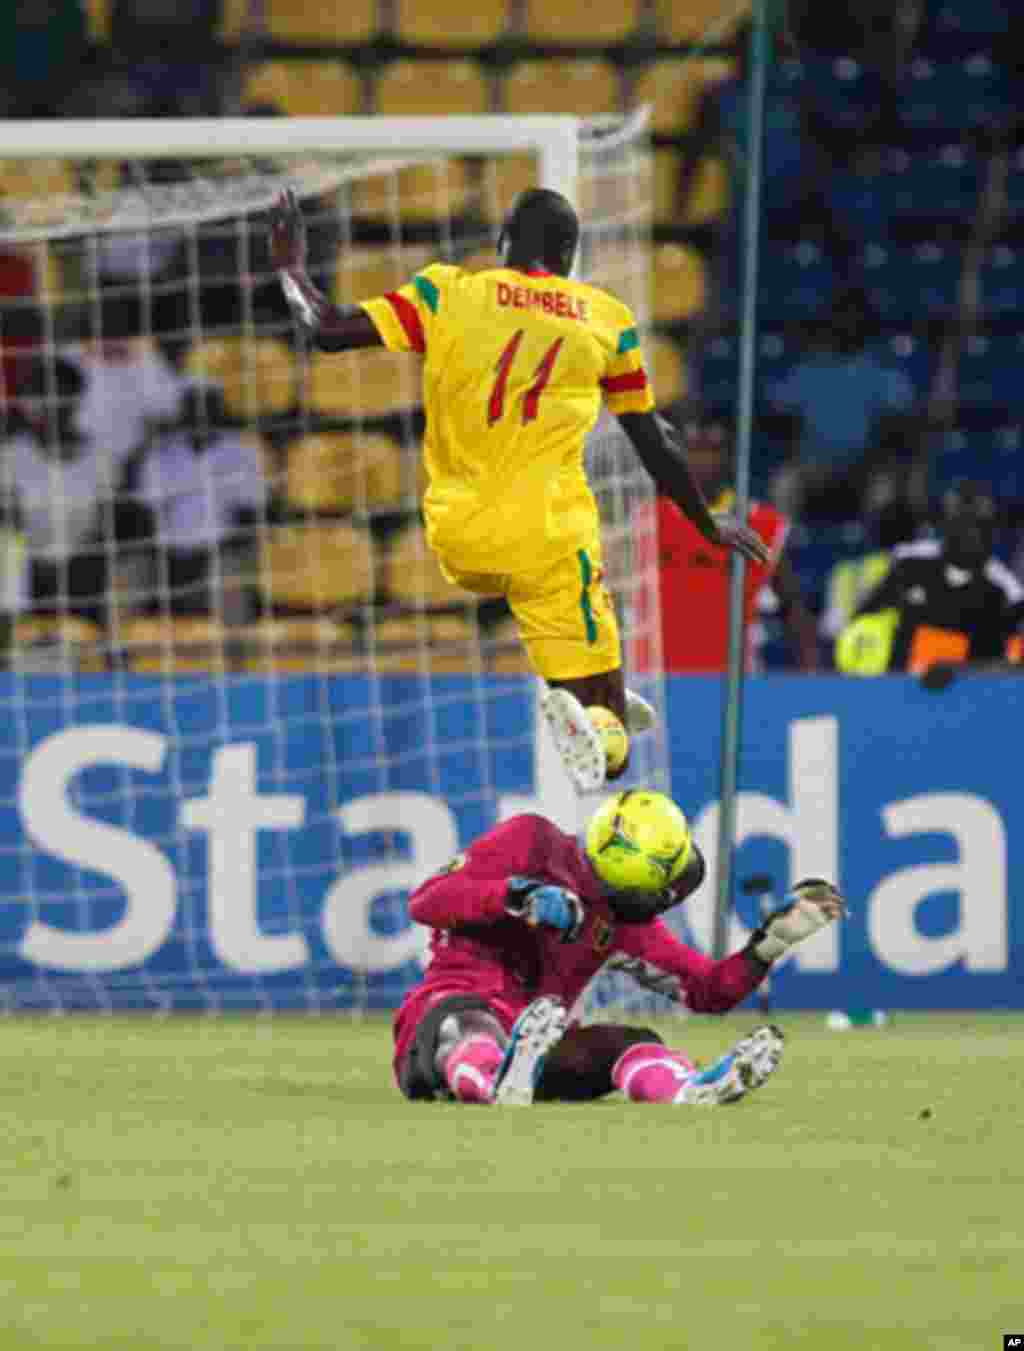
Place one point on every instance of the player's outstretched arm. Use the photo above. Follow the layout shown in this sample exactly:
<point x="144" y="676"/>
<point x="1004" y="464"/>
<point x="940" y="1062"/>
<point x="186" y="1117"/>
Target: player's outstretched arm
<point x="660" y="453"/>
<point x="333" y="328"/>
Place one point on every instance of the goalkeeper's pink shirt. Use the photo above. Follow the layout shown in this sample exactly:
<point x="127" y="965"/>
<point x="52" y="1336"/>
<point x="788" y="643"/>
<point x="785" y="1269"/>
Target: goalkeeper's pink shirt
<point x="476" y="948"/>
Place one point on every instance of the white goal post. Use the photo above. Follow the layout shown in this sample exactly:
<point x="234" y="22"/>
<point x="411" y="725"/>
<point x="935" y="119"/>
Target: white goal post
<point x="373" y="769"/>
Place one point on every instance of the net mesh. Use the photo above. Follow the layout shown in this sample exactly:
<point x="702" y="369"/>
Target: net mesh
<point x="245" y="712"/>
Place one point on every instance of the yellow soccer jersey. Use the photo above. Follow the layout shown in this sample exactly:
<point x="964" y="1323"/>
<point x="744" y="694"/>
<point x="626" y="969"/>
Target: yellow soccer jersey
<point x="516" y="365"/>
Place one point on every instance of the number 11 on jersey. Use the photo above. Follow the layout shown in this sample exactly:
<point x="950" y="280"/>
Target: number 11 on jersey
<point x="531" y="401"/>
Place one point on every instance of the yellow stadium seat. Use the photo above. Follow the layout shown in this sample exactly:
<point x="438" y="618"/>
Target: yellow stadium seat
<point x="679" y="288"/>
<point x="577" y="87"/>
<point x="363" y="385"/>
<point x="483" y="260"/>
<point x="665" y="369"/>
<point x="415" y="88"/>
<point x="436" y="189"/>
<point x="442" y="644"/>
<point x="503" y="650"/>
<point x="332" y="471"/>
<point x="316" y="566"/>
<point x="306" y="88"/>
<point x="360" y="274"/>
<point x="317" y="645"/>
<point x="437" y="23"/>
<point x="324" y="22"/>
<point x="673" y="88"/>
<point x="710" y="196"/>
<point x="257" y="374"/>
<point x="576" y="21"/>
<point x="38" y="181"/>
<point x="505" y="177"/>
<point x="175" y="646"/>
<point x="98" y="15"/>
<point x="666" y="187"/>
<point x="413" y="575"/>
<point x="81" y="641"/>
<point x="708" y="21"/>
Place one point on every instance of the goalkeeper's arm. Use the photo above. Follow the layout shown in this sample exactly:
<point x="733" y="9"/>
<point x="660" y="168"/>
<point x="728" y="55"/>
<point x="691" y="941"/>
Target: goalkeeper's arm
<point x="333" y="328"/>
<point x="658" y="450"/>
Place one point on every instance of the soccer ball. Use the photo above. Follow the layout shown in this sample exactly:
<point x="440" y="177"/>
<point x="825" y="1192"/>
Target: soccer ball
<point x="613" y="734"/>
<point x="639" y="841"/>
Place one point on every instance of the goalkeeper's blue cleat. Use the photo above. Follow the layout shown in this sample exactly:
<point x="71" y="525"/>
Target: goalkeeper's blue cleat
<point x="537" y="1029"/>
<point x="737" y="1073"/>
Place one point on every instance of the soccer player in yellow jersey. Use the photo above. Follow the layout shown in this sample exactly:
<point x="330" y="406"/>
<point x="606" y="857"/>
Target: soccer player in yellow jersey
<point x="517" y="361"/>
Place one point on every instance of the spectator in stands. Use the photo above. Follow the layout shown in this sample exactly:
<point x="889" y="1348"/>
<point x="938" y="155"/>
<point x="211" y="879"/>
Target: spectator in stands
<point x="854" y="412"/>
<point x="852" y="579"/>
<point x="694" y="576"/>
<point x="944" y="602"/>
<point x="205" y="487"/>
<point x="44" y="55"/>
<point x="63" y="485"/>
<point x="165" y="58"/>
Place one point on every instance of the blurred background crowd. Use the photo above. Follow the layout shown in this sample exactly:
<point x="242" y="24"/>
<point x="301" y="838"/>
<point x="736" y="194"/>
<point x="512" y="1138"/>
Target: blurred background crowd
<point x="139" y="470"/>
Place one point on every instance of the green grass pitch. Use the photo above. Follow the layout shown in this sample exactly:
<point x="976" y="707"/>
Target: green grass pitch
<point x="258" y="1183"/>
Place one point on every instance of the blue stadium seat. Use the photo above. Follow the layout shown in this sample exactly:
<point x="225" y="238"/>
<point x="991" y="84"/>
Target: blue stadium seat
<point x="814" y="551"/>
<point x="796" y="281"/>
<point x="990" y="371"/>
<point x="1001" y="277"/>
<point x="1015" y="184"/>
<point x="1008" y="463"/>
<point x="973" y="92"/>
<point x="944" y="181"/>
<point x="862" y="201"/>
<point x="959" y="454"/>
<point x="972" y="18"/>
<point x="842" y="91"/>
<point x="718" y="365"/>
<point x="911" y="282"/>
<point x="910" y="354"/>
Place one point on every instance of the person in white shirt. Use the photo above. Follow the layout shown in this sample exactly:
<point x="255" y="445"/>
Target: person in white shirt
<point x="205" y="486"/>
<point x="61" y="485"/>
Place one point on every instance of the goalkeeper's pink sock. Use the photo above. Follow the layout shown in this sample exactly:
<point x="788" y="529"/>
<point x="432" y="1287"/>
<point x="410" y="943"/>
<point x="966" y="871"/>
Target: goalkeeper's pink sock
<point x="650" y="1072"/>
<point x="472" y="1067"/>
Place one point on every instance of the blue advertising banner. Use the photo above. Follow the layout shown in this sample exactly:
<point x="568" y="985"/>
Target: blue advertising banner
<point x="249" y="843"/>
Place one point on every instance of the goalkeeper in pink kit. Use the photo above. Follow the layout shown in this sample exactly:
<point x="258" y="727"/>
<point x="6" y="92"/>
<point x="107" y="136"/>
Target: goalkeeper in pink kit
<point x="527" y="917"/>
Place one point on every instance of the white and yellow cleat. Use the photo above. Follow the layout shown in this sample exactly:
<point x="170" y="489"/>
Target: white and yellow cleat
<point x="750" y="1062"/>
<point x="579" y="743"/>
<point x="538" y="1028"/>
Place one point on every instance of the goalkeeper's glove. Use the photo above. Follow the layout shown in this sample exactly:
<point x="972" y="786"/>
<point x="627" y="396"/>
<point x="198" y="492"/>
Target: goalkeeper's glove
<point x="811" y="904"/>
<point x="543" y="903"/>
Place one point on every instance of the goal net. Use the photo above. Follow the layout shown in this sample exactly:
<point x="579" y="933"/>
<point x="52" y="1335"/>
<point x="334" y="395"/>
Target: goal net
<point x="243" y="712"/>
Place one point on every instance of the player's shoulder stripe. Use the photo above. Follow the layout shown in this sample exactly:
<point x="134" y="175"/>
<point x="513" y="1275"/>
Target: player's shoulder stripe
<point x="427" y="292"/>
<point x="629" y="339"/>
<point x="408" y="317"/>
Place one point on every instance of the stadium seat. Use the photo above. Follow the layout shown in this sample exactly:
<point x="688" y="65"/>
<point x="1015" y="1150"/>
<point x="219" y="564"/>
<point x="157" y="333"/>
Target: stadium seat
<point x="576" y="22"/>
<point x="318" y="645"/>
<point x="419" y="88"/>
<point x="843" y="93"/>
<point x="679" y="283"/>
<point x="323" y="23"/>
<point x="910" y="353"/>
<point x="577" y="87"/>
<point x="1015" y="184"/>
<point x="439" y="644"/>
<point x="334" y="471"/>
<point x="795" y="281"/>
<point x="861" y="198"/>
<point x="673" y="89"/>
<point x="950" y="96"/>
<point x="316" y="566"/>
<point x="435" y="190"/>
<point x="435" y="23"/>
<point x="166" y="646"/>
<point x="990" y="369"/>
<point x="718" y="365"/>
<point x="505" y="176"/>
<point x="959" y="454"/>
<point x="39" y="181"/>
<point x="710" y="196"/>
<point x="360" y="274"/>
<point x="1001" y="279"/>
<point x="665" y="369"/>
<point x="413" y="576"/>
<point x="689" y="21"/>
<point x="361" y="385"/>
<point x="976" y="19"/>
<point x="81" y="643"/>
<point x="666" y="186"/>
<point x="257" y="374"/>
<point x="305" y="88"/>
<point x="503" y="650"/>
<point x="938" y="181"/>
<point x="910" y="283"/>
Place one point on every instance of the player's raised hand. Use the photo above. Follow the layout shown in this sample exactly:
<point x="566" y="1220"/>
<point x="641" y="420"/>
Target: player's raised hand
<point x="810" y="905"/>
<point x="287" y="233"/>
<point x="734" y="534"/>
<point x="544" y="904"/>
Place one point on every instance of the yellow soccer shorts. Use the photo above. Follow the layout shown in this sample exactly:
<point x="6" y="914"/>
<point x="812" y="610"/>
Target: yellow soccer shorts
<point x="564" y="612"/>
